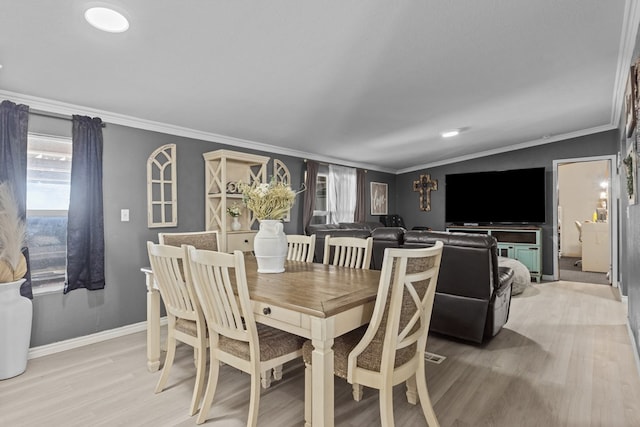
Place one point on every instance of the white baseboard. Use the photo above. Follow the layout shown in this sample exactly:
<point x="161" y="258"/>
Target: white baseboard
<point x="634" y="346"/>
<point x="57" y="347"/>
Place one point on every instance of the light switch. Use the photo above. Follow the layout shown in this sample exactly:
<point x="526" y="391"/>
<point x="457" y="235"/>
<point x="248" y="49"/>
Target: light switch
<point x="124" y="215"/>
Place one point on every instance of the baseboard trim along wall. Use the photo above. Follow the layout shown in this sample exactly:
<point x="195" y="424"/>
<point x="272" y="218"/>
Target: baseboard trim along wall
<point x="57" y="347"/>
<point x="634" y="346"/>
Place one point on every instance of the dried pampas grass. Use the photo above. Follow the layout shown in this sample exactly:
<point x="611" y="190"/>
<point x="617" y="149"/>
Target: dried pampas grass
<point x="13" y="233"/>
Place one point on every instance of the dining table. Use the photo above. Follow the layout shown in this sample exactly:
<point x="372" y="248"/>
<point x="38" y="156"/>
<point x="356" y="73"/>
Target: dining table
<point x="312" y="300"/>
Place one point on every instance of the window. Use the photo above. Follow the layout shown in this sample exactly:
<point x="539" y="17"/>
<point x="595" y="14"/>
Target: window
<point x="48" y="188"/>
<point x="320" y="213"/>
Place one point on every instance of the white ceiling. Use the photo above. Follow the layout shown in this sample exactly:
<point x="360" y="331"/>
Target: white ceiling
<point x="361" y="82"/>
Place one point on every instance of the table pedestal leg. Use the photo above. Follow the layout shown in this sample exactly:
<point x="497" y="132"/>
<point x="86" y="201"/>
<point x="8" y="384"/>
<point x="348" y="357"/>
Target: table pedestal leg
<point x="322" y="331"/>
<point x="153" y="326"/>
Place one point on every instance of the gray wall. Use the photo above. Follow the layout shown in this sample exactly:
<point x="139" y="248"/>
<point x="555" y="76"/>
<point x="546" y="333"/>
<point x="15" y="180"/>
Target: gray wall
<point x="629" y="244"/>
<point x="59" y="317"/>
<point x="123" y="301"/>
<point x="604" y="143"/>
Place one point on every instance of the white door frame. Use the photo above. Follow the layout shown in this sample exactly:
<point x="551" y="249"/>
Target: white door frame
<point x="614" y="186"/>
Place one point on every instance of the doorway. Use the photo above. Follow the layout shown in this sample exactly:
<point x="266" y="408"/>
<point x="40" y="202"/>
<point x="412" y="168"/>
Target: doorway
<point x="585" y="220"/>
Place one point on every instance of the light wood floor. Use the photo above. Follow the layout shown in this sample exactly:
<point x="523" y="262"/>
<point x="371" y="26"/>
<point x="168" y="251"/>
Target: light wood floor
<point x="563" y="359"/>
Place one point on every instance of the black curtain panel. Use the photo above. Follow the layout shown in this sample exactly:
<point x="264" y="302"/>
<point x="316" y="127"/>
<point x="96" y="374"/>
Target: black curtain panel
<point x="85" y="228"/>
<point x="14" y="121"/>
<point x="360" y="214"/>
<point x="310" y="193"/>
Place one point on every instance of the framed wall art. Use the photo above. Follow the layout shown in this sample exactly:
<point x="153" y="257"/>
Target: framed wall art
<point x="162" y="188"/>
<point x="379" y="198"/>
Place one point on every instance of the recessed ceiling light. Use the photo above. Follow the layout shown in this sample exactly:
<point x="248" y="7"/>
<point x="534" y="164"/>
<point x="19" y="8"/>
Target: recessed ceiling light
<point x="450" y="133"/>
<point x="106" y="19"/>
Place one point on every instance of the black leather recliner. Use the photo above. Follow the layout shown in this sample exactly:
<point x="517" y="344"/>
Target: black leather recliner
<point x="473" y="294"/>
<point x="385" y="237"/>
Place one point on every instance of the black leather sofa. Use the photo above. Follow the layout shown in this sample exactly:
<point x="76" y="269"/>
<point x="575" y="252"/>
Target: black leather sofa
<point x="473" y="295"/>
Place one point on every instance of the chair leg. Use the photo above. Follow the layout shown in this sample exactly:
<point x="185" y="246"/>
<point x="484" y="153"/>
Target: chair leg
<point x="212" y="383"/>
<point x="307" y="395"/>
<point x="386" y="406"/>
<point x="277" y="373"/>
<point x="266" y="378"/>
<point x="254" y="403"/>
<point x="168" y="361"/>
<point x="357" y="392"/>
<point x="412" y="396"/>
<point x="201" y="367"/>
<point x="425" y="400"/>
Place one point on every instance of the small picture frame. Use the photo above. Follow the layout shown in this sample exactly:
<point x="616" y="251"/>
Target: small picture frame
<point x="379" y="198"/>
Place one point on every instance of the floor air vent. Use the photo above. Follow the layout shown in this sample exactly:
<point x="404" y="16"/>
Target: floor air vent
<point x="433" y="358"/>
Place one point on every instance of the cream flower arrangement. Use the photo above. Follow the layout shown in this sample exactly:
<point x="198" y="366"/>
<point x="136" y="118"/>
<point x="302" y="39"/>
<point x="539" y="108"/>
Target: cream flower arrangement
<point x="234" y="211"/>
<point x="13" y="232"/>
<point x="271" y="200"/>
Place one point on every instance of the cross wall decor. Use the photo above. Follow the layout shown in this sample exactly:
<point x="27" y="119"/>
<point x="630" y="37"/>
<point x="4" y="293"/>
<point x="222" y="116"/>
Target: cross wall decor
<point x="424" y="186"/>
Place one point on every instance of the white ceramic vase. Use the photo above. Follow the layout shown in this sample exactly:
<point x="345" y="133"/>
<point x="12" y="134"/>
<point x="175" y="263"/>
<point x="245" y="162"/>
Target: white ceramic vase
<point x="16" y="313"/>
<point x="235" y="224"/>
<point x="270" y="246"/>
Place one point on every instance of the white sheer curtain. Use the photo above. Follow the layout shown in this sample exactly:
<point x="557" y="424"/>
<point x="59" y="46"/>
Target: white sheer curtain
<point x="341" y="197"/>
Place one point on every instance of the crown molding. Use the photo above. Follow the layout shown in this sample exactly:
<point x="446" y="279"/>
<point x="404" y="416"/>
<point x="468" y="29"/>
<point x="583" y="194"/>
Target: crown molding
<point x="630" y="23"/>
<point x="514" y="147"/>
<point x="62" y="108"/>
<point x="56" y="107"/>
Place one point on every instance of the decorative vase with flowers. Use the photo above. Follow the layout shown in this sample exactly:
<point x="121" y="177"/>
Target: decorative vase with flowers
<point x="269" y="203"/>
<point x="15" y="310"/>
<point x="234" y="212"/>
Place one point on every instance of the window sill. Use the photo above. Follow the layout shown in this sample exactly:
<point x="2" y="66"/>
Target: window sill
<point x="56" y="288"/>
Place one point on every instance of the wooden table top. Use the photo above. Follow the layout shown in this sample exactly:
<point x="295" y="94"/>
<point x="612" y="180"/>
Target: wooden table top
<point x="311" y="288"/>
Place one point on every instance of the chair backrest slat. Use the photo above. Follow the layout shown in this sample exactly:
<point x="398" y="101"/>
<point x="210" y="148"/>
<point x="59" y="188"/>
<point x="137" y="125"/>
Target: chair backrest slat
<point x="176" y="290"/>
<point x="353" y="252"/>
<point x="300" y="247"/>
<point x="220" y="283"/>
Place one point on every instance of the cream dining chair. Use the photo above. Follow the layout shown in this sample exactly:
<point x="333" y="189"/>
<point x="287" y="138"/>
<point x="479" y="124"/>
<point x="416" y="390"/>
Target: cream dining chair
<point x="353" y="252"/>
<point x="235" y="338"/>
<point x="199" y="239"/>
<point x="390" y="350"/>
<point x="186" y="322"/>
<point x="301" y="247"/>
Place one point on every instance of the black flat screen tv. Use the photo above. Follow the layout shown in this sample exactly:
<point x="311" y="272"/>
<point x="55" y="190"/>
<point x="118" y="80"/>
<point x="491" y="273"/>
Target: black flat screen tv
<point x="496" y="197"/>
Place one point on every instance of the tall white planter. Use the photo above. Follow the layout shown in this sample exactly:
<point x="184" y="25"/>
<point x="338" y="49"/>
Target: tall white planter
<point x="270" y="246"/>
<point x="15" y="329"/>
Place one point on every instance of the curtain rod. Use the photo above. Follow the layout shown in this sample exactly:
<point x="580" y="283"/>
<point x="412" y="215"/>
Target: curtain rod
<point x="327" y="164"/>
<point x="54" y="115"/>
